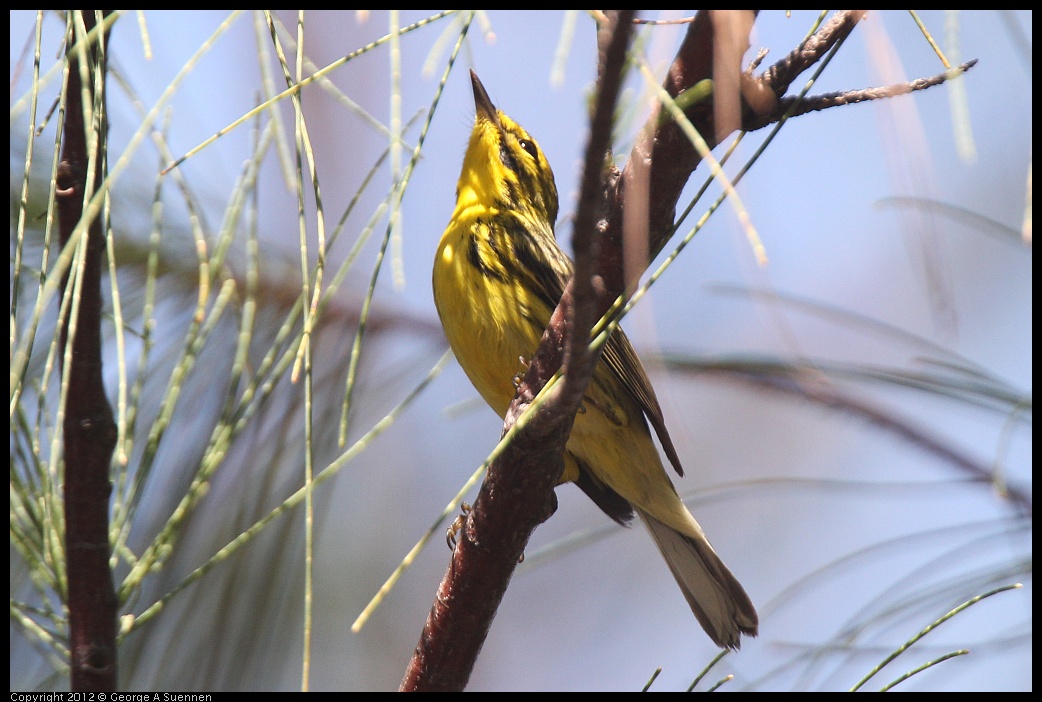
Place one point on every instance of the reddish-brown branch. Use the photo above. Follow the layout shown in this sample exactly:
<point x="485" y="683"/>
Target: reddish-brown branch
<point x="814" y="103"/>
<point x="517" y="494"/>
<point x="89" y="430"/>
<point x="586" y="298"/>
<point x="663" y="158"/>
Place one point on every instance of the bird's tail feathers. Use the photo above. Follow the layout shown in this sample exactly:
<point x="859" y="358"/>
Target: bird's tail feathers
<point x="716" y="597"/>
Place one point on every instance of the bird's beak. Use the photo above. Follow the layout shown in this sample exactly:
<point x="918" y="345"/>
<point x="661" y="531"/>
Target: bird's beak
<point x="482" y="102"/>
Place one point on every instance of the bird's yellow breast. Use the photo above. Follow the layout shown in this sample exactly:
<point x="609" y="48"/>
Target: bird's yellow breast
<point x="487" y="314"/>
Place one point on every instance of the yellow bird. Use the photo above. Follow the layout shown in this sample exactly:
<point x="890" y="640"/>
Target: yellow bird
<point x="498" y="275"/>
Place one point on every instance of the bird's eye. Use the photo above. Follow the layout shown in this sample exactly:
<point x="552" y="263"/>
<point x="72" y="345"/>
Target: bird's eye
<point x="530" y="147"/>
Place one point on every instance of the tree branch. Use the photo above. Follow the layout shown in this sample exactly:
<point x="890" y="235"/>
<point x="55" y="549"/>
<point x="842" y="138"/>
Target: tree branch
<point x="814" y="103"/>
<point x="517" y="494"/>
<point x="88" y="428"/>
<point x="618" y="213"/>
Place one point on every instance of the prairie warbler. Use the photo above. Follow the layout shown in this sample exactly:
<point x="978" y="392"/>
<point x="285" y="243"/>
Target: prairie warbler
<point x="498" y="275"/>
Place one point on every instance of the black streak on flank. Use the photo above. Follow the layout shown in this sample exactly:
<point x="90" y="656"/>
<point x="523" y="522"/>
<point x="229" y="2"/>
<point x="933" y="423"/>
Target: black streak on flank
<point x="474" y="256"/>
